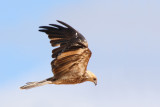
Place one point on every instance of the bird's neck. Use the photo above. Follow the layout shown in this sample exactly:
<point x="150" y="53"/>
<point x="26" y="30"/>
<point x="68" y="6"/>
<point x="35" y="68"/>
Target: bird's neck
<point x="87" y="76"/>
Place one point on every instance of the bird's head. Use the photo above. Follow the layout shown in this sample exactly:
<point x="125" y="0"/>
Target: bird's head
<point x="91" y="77"/>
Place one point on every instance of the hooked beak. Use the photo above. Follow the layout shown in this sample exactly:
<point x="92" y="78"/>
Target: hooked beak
<point x="95" y="82"/>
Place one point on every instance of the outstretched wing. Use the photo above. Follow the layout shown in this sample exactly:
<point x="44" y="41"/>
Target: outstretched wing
<point x="72" y="55"/>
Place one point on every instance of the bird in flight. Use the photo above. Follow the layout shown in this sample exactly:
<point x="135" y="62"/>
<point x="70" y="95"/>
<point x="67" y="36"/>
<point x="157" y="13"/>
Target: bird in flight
<point x="71" y="57"/>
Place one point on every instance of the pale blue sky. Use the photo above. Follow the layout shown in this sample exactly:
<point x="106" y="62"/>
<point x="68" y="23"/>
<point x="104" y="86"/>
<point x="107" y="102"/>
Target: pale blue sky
<point x="123" y="35"/>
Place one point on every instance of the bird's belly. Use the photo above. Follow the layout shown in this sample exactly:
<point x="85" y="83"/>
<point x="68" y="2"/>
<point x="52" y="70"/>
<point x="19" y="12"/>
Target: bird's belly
<point x="68" y="81"/>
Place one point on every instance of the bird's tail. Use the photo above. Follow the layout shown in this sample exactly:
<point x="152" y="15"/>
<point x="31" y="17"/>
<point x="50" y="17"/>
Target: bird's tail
<point x="35" y="84"/>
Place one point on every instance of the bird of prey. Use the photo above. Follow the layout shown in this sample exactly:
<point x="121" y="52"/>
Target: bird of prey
<point x="71" y="56"/>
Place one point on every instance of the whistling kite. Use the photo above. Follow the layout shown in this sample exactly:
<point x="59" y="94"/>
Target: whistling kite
<point x="70" y="58"/>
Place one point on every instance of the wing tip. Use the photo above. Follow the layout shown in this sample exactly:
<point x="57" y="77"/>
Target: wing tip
<point x="42" y="30"/>
<point x="58" y="20"/>
<point x="65" y="24"/>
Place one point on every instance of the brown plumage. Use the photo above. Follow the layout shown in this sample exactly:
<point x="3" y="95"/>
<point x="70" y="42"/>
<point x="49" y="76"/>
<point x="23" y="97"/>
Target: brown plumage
<point x="70" y="58"/>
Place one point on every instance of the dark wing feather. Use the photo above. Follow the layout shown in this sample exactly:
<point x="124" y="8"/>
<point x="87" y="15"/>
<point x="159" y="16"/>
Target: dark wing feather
<point x="72" y="54"/>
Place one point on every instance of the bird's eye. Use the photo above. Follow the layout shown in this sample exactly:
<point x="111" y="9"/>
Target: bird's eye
<point x="94" y="79"/>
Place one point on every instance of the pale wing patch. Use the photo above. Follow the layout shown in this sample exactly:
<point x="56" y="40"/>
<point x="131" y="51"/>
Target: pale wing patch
<point x="56" y="39"/>
<point x="66" y="59"/>
<point x="65" y="54"/>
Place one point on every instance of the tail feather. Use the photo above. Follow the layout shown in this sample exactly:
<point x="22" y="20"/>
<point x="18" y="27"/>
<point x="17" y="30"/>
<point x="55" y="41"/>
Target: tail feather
<point x="35" y="84"/>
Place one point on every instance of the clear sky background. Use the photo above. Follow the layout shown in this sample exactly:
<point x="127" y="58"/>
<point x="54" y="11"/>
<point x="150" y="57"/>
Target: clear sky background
<point x="124" y="36"/>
